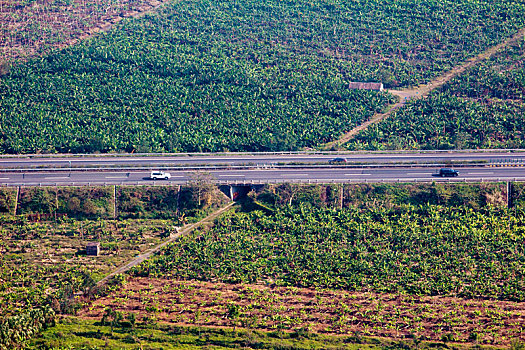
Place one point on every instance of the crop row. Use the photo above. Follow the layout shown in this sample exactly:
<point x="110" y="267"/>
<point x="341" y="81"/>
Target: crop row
<point x="422" y="250"/>
<point x="254" y="306"/>
<point x="239" y="75"/>
<point x="32" y="27"/>
<point x="482" y="108"/>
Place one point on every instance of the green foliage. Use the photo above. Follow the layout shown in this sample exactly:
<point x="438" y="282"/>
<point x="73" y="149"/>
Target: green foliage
<point x="86" y="201"/>
<point x="239" y="75"/>
<point x="7" y="200"/>
<point x="26" y="285"/>
<point x="158" y="202"/>
<point x="387" y="195"/>
<point x="37" y="200"/>
<point x="74" y="201"/>
<point x="423" y="250"/>
<point x="481" y="108"/>
<point x="74" y="333"/>
<point x="501" y="77"/>
<point x="518" y="194"/>
<point x="16" y="330"/>
<point x="444" y="121"/>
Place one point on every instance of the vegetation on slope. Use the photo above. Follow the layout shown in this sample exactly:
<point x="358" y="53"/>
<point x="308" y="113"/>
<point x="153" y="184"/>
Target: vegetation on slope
<point x="482" y="108"/>
<point x="423" y="250"/>
<point x="239" y="75"/>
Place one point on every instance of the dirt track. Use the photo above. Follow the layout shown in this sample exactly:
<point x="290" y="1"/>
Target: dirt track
<point x="146" y="255"/>
<point x="423" y="90"/>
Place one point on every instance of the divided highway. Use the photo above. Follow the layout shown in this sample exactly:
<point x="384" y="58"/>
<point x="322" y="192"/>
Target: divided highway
<point x="277" y="175"/>
<point x="177" y="160"/>
<point x="261" y="168"/>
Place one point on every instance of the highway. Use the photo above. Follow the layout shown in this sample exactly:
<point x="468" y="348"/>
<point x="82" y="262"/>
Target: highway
<point x="179" y="160"/>
<point x="262" y="176"/>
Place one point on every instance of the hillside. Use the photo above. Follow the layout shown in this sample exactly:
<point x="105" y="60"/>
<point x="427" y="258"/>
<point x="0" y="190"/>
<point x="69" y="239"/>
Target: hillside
<point x="238" y="75"/>
<point x="481" y="108"/>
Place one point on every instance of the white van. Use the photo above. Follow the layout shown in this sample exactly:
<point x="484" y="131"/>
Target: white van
<point x="159" y="175"/>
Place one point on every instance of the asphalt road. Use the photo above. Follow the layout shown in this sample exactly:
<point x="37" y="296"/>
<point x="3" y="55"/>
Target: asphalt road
<point x="7" y="162"/>
<point x="276" y="175"/>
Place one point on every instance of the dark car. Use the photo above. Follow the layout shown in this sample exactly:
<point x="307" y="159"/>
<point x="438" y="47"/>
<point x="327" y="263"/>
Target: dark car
<point x="337" y="161"/>
<point x="448" y="172"/>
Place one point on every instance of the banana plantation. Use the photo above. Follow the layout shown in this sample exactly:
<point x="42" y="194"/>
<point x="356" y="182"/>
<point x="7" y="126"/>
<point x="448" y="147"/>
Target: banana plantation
<point x="482" y="108"/>
<point x="238" y="75"/>
<point x="420" y="250"/>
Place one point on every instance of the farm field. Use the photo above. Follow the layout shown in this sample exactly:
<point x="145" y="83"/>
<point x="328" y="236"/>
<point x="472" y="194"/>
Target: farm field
<point x="343" y="271"/>
<point x="316" y="311"/>
<point x="34" y="27"/>
<point x="44" y="266"/>
<point x="481" y="108"/>
<point x="43" y="262"/>
<point x="416" y="250"/>
<point x="292" y="266"/>
<point x="238" y="75"/>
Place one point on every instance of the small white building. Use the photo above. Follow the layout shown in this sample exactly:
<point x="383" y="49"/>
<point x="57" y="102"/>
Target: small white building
<point x="366" y="86"/>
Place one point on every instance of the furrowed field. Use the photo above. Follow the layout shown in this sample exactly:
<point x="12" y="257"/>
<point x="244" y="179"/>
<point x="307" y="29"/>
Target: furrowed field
<point x="482" y="108"/>
<point x="238" y="75"/>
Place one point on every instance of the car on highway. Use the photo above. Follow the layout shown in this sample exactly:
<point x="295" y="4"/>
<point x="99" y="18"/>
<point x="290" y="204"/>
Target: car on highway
<point x="159" y="175"/>
<point x="337" y="161"/>
<point x="448" y="172"/>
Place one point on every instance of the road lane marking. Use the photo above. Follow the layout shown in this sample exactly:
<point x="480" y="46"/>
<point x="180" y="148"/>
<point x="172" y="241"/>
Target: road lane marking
<point x="231" y="175"/>
<point x="357" y="174"/>
<point x="418" y="173"/>
<point x="4" y="178"/>
<point x="479" y="173"/>
<point x="292" y="175"/>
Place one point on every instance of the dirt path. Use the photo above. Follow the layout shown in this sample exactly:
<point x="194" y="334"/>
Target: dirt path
<point x="423" y="90"/>
<point x="147" y="254"/>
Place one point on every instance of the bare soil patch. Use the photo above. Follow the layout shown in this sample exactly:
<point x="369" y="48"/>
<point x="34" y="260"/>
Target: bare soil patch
<point x="33" y="27"/>
<point x="324" y="311"/>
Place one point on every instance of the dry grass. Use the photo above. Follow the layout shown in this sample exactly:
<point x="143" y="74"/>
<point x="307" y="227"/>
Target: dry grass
<point x="324" y="311"/>
<point x="33" y="27"/>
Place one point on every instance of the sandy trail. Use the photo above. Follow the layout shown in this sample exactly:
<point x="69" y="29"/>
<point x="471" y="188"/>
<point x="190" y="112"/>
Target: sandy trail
<point x="423" y="90"/>
<point x="147" y="254"/>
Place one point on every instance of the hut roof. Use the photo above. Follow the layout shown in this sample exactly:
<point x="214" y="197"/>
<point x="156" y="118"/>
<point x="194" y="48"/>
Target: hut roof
<point x="366" y="86"/>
